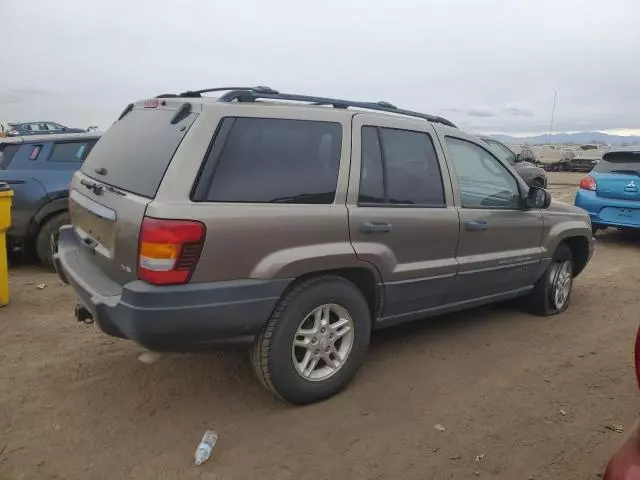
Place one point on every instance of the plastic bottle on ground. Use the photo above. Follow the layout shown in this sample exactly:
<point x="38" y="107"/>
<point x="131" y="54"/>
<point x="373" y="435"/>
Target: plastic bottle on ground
<point x="203" y="452"/>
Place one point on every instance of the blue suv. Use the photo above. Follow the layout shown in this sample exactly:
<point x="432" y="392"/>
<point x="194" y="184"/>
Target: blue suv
<point x="611" y="191"/>
<point x="39" y="169"/>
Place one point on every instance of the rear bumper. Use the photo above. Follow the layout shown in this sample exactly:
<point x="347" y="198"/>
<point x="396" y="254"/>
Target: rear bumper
<point x="175" y="318"/>
<point x="604" y="211"/>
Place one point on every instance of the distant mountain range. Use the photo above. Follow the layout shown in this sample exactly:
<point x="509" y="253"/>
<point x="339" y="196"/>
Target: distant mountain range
<point x="578" y="138"/>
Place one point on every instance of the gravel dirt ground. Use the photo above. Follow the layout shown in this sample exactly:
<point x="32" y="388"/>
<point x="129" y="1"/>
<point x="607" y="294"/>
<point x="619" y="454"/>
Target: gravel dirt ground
<point x="519" y="397"/>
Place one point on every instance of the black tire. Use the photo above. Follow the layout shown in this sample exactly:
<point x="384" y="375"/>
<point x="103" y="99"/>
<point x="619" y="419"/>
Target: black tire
<point x="537" y="183"/>
<point x="272" y="355"/>
<point x="43" y="239"/>
<point x="541" y="300"/>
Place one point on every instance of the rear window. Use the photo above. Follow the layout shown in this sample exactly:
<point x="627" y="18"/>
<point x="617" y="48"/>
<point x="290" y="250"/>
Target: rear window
<point x="273" y="161"/>
<point x="6" y="153"/>
<point x="136" y="151"/>
<point x="619" y="162"/>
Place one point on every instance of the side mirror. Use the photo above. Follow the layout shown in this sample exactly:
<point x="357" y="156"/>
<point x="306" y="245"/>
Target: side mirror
<point x="538" y="197"/>
<point x="519" y="158"/>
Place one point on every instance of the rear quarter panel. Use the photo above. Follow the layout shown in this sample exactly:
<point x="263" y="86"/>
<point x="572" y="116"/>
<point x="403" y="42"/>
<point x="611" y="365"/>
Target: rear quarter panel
<point x="255" y="240"/>
<point x="28" y="196"/>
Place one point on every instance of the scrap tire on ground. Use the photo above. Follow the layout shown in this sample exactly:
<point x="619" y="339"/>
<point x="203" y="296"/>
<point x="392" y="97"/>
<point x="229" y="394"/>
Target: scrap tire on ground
<point x="43" y="239"/>
<point x="277" y="361"/>
<point x="543" y="299"/>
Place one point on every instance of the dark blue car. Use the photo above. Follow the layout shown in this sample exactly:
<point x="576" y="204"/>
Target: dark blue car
<point x="611" y="191"/>
<point x="39" y="128"/>
<point x="39" y="169"/>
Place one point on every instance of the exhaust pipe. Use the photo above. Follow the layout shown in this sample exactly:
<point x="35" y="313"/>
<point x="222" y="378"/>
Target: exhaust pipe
<point x="83" y="315"/>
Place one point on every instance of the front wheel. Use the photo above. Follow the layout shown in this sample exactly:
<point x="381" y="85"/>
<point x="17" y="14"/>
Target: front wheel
<point x="552" y="292"/>
<point x="315" y="340"/>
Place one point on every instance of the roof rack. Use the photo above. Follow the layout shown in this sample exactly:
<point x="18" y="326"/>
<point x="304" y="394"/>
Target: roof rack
<point x="250" y="94"/>
<point x="198" y="93"/>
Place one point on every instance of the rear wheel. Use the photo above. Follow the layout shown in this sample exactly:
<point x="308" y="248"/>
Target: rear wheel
<point x="552" y="292"/>
<point x="315" y="340"/>
<point x="48" y="230"/>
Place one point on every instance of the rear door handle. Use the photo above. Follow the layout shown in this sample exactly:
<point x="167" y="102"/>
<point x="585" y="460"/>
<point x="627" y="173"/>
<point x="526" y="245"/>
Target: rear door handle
<point x="376" y="227"/>
<point x="477" y="225"/>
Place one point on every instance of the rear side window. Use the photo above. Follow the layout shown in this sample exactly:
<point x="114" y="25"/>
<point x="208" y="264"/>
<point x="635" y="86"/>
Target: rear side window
<point x="70" y="151"/>
<point x="6" y="154"/>
<point x="399" y="167"/>
<point x="275" y="161"/>
<point x="136" y="151"/>
<point x="619" y="162"/>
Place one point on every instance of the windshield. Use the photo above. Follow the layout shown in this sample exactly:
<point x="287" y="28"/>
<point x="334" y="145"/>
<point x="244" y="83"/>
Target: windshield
<point x="502" y="151"/>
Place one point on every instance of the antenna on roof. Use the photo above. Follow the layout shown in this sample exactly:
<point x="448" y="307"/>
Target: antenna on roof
<point x="553" y="113"/>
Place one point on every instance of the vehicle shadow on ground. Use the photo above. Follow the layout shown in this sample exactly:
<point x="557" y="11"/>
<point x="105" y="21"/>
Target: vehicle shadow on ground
<point x="616" y="237"/>
<point x="194" y="382"/>
<point x="174" y="399"/>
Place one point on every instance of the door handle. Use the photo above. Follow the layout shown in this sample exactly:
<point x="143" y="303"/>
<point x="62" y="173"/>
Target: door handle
<point x="477" y="225"/>
<point x="376" y="227"/>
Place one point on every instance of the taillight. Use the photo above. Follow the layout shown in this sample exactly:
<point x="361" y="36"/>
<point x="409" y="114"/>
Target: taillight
<point x="589" y="183"/>
<point x="151" y="103"/>
<point x="637" y="357"/>
<point x="169" y="250"/>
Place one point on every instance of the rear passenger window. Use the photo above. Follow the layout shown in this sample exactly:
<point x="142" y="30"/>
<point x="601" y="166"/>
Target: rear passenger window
<point x="399" y="167"/>
<point x="277" y="161"/>
<point x="70" y="151"/>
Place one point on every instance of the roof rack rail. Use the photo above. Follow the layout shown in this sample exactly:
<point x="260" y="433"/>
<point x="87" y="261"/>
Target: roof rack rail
<point x="252" y="94"/>
<point x="198" y="93"/>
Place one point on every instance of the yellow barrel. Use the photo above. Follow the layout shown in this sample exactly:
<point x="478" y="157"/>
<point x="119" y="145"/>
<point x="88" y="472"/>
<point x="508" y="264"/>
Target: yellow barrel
<point x="5" y="223"/>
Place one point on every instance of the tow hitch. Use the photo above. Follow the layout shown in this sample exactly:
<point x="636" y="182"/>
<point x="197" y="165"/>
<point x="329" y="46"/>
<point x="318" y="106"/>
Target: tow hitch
<point x="83" y="315"/>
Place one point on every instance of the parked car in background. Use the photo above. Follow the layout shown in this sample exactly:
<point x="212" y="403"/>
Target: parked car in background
<point x="4" y="129"/>
<point x="530" y="173"/>
<point x="553" y="158"/>
<point x="300" y="224"/>
<point x="625" y="462"/>
<point x="39" y="170"/>
<point x="611" y="192"/>
<point x="39" y="128"/>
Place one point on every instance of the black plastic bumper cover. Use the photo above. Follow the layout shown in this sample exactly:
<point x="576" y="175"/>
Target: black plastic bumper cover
<point x="181" y="317"/>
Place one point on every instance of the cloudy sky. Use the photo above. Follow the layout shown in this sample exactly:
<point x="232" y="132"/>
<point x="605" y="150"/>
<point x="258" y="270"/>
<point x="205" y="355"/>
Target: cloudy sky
<point x="489" y="65"/>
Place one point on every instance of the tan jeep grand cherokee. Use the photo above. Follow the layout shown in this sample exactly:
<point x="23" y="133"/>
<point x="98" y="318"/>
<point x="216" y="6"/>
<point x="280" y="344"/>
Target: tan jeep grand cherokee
<point x="302" y="223"/>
